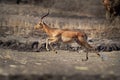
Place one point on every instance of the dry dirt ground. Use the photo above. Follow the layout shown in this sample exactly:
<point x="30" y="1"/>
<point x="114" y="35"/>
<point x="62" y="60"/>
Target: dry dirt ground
<point x="66" y="65"/>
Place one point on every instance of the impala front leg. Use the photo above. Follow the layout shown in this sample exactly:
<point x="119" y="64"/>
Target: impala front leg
<point x="52" y="40"/>
<point x="47" y="43"/>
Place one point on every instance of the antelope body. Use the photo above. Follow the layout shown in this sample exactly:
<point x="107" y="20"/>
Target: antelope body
<point x="65" y="36"/>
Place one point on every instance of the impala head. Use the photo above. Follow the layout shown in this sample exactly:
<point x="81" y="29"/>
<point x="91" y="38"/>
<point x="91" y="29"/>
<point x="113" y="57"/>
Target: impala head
<point x="40" y="24"/>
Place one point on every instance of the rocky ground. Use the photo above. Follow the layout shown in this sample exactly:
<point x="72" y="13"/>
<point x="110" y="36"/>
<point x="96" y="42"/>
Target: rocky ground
<point x="38" y="44"/>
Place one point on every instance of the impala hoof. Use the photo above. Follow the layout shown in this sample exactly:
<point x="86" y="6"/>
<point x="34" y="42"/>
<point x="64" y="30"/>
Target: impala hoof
<point x="56" y="52"/>
<point x="48" y="49"/>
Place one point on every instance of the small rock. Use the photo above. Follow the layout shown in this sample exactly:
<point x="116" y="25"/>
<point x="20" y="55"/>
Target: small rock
<point x="81" y="68"/>
<point x="13" y="66"/>
<point x="38" y="63"/>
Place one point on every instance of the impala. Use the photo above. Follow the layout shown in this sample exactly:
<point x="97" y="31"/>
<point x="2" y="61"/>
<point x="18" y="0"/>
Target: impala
<point x="65" y="36"/>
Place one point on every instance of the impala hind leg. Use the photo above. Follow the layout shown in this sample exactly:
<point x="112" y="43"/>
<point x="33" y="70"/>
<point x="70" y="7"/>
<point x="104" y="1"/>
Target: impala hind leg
<point x="86" y="57"/>
<point x="82" y="45"/>
<point x="81" y="41"/>
<point x="88" y="47"/>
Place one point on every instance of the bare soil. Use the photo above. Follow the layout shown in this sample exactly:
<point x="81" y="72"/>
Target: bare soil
<point x="66" y="65"/>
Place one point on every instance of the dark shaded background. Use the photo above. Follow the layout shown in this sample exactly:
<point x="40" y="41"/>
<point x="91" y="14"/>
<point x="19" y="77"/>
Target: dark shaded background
<point x="80" y="6"/>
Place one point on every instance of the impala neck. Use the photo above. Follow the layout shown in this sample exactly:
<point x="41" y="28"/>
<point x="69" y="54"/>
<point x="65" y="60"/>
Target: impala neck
<point x="46" y="28"/>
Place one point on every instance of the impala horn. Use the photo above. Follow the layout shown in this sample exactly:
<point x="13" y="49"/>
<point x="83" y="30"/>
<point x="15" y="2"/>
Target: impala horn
<point x="45" y="15"/>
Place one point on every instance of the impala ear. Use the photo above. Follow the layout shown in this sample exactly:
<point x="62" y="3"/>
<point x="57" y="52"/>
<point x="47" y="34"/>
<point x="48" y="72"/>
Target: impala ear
<point x="41" y="24"/>
<point x="41" y="21"/>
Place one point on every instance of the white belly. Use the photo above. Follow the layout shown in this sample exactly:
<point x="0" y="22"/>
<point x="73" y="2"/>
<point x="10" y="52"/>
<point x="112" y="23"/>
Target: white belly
<point x="66" y="39"/>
